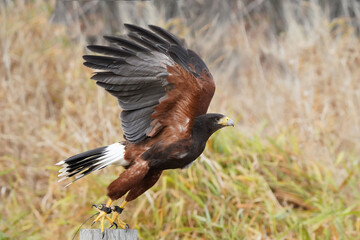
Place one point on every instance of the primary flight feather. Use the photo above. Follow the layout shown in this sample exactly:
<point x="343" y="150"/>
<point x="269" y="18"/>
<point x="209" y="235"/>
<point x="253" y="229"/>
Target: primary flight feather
<point x="164" y="91"/>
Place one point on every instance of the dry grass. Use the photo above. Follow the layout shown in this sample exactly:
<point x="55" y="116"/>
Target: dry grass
<point x="289" y="170"/>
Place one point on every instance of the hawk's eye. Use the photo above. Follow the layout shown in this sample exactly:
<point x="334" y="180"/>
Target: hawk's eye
<point x="217" y="119"/>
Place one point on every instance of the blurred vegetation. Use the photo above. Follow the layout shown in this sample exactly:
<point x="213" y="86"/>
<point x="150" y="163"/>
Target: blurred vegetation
<point x="287" y="73"/>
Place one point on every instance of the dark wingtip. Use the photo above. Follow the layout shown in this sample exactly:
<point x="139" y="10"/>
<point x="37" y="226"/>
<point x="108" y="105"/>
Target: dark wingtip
<point x="107" y="37"/>
<point x="89" y="65"/>
<point x="86" y="57"/>
<point x="131" y="26"/>
<point x="112" y="39"/>
<point x="154" y="27"/>
<point x="92" y="47"/>
<point x="166" y="35"/>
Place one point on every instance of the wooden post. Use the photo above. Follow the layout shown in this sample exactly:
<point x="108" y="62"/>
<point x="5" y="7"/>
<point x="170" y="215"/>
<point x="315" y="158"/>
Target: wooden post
<point x="110" y="234"/>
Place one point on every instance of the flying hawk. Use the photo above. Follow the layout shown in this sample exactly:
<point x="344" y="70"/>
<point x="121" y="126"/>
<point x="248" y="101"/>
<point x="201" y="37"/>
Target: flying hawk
<point x="164" y="91"/>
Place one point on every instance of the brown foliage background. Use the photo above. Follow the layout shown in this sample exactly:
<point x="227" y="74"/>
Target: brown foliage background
<point x="288" y="74"/>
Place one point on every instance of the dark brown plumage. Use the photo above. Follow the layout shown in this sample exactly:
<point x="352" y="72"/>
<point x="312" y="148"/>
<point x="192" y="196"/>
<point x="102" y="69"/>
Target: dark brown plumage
<point x="164" y="91"/>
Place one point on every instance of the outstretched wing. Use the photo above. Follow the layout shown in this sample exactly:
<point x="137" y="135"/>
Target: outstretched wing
<point x="158" y="83"/>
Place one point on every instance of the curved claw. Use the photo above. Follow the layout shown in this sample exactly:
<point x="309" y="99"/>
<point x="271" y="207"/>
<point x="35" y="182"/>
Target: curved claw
<point x="105" y="209"/>
<point x="114" y="224"/>
<point x="102" y="235"/>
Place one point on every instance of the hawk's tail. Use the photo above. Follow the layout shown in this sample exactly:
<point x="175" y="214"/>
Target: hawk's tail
<point x="84" y="163"/>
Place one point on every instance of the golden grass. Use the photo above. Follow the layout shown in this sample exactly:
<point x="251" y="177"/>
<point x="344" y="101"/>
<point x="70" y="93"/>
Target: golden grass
<point x="289" y="170"/>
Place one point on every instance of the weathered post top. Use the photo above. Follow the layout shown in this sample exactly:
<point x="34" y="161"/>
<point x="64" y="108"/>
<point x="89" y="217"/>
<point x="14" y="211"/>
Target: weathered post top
<point x="110" y="234"/>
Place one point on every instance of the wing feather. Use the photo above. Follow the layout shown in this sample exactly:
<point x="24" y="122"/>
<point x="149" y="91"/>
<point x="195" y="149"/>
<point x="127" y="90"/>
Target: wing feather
<point x="172" y="39"/>
<point x="126" y="44"/>
<point x="145" y="42"/>
<point x="147" y="34"/>
<point x="112" y="51"/>
<point x="158" y="83"/>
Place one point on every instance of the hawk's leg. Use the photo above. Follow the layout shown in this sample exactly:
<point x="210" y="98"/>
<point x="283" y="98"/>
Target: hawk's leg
<point x="147" y="182"/>
<point x="103" y="210"/>
<point x="117" y="210"/>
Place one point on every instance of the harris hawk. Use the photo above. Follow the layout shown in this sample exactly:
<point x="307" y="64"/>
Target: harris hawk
<point x="164" y="91"/>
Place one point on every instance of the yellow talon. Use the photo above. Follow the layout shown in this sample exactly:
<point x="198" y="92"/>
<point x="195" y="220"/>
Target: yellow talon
<point x="103" y="215"/>
<point x="123" y="204"/>
<point x="122" y="224"/>
<point x="109" y="202"/>
<point x="115" y="217"/>
<point x="114" y="220"/>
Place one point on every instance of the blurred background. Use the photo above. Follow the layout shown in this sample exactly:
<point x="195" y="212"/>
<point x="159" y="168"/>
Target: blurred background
<point x="287" y="72"/>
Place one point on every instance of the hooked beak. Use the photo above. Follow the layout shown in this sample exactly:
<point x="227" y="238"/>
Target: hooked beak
<point x="225" y="121"/>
